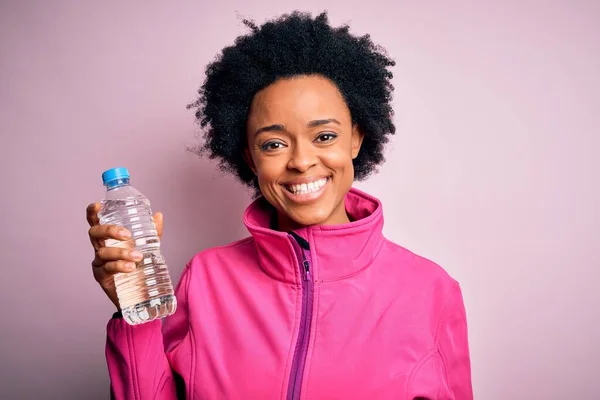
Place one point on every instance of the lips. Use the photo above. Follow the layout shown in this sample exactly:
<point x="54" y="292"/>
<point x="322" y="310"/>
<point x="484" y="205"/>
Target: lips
<point x="307" y="187"/>
<point x="306" y="191"/>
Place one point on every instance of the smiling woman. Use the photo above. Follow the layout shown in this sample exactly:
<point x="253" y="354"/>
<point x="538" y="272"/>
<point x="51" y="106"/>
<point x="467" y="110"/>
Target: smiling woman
<point x="301" y="144"/>
<point x="316" y="303"/>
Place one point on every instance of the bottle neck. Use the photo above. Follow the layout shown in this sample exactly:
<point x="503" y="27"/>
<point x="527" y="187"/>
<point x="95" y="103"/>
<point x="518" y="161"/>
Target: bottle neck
<point x="117" y="183"/>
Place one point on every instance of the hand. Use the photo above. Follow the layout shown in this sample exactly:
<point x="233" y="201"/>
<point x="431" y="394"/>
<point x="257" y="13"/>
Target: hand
<point x="109" y="261"/>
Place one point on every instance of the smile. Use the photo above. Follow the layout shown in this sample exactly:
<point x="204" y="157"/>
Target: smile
<point x="306" y="192"/>
<point x="305" y="188"/>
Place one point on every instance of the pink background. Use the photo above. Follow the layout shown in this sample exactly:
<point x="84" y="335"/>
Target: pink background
<point x="492" y="173"/>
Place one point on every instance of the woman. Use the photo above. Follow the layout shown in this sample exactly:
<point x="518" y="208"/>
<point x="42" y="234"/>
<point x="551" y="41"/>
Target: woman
<point x="316" y="303"/>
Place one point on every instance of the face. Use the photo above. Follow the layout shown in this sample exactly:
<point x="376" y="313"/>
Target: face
<point x="301" y="143"/>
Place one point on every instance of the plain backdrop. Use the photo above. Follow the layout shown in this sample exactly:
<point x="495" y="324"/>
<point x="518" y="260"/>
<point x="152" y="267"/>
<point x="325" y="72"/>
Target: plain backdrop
<point x="493" y="172"/>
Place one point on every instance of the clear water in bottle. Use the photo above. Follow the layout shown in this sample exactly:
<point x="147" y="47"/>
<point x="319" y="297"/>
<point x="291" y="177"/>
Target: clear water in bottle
<point x="146" y="293"/>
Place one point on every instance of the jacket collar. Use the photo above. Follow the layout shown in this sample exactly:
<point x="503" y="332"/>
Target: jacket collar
<point x="337" y="251"/>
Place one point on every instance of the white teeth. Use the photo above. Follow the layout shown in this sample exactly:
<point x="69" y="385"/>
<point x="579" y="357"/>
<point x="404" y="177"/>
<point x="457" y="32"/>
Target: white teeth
<point x="307" y="187"/>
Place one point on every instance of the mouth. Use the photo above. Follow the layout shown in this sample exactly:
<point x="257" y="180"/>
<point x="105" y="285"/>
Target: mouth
<point x="306" y="192"/>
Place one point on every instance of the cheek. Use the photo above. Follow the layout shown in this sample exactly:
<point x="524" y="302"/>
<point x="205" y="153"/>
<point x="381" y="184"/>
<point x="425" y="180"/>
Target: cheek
<point x="339" y="159"/>
<point x="269" y="170"/>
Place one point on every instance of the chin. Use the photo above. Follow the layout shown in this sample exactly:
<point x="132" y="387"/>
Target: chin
<point x="308" y="216"/>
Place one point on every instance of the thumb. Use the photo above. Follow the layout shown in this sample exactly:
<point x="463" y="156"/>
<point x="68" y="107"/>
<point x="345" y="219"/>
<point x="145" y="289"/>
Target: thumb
<point x="158" y="222"/>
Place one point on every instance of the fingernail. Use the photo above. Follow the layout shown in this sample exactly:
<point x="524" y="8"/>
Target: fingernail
<point x="136" y="255"/>
<point x="130" y="266"/>
<point x="124" y="233"/>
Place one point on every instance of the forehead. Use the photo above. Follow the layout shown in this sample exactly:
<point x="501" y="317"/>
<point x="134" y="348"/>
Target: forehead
<point x="298" y="100"/>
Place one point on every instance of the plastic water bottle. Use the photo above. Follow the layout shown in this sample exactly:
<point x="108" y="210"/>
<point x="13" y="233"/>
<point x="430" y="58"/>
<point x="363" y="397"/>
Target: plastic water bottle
<point x="146" y="293"/>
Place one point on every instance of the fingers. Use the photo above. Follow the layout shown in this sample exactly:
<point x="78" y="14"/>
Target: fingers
<point x="92" y="214"/>
<point x="106" y="254"/>
<point x="114" y="267"/>
<point x="158" y="222"/>
<point x="103" y="232"/>
<point x="114" y="259"/>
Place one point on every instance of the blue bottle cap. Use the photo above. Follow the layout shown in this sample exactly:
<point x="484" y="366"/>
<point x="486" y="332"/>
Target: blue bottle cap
<point x="114" y="174"/>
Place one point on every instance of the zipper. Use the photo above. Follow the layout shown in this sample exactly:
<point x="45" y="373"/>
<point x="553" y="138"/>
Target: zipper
<point x="302" y="250"/>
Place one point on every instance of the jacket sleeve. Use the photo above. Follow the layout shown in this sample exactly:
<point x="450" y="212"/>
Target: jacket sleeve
<point x="137" y="362"/>
<point x="444" y="373"/>
<point x="453" y="347"/>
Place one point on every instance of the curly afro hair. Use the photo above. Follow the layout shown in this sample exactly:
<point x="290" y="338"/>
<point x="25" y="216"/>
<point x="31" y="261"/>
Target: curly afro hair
<point x="293" y="45"/>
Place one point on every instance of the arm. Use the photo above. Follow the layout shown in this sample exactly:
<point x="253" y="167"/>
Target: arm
<point x="453" y="347"/>
<point x="137" y="363"/>
<point x="444" y="373"/>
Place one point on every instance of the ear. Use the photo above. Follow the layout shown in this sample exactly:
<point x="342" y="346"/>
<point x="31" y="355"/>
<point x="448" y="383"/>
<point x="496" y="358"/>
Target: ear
<point x="249" y="160"/>
<point x="357" y="139"/>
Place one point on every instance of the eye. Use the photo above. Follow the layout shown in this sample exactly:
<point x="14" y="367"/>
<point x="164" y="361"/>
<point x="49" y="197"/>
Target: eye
<point x="272" y="145"/>
<point x="325" y="137"/>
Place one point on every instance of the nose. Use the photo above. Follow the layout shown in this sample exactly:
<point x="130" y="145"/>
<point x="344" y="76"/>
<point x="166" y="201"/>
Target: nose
<point x="302" y="158"/>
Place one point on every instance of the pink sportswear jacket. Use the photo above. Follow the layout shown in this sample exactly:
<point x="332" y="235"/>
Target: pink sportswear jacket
<point x="328" y="312"/>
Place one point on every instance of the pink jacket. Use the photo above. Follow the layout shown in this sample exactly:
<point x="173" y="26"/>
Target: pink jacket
<point x="332" y="312"/>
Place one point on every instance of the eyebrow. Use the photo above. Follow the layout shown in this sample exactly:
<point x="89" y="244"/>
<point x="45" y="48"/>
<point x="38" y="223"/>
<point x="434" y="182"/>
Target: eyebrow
<point x="270" y="128"/>
<point x="311" y="124"/>
<point x="320" y="122"/>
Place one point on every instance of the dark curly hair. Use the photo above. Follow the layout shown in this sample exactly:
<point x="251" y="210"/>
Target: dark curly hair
<point x="294" y="44"/>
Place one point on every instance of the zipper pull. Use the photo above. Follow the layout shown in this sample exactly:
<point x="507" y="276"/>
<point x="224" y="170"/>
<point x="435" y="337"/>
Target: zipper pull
<point x="306" y="265"/>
